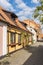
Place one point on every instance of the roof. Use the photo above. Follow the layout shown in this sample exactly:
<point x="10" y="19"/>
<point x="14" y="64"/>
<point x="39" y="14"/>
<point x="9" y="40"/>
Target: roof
<point x="6" y="18"/>
<point x="19" y="24"/>
<point x="31" y="21"/>
<point x="14" y="18"/>
<point x="24" y="24"/>
<point x="11" y="15"/>
<point x="1" y="18"/>
<point x="11" y="18"/>
<point x="32" y="24"/>
<point x="41" y="35"/>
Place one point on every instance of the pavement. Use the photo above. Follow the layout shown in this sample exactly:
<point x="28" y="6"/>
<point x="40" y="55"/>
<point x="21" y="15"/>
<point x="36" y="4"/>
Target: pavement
<point x="30" y="55"/>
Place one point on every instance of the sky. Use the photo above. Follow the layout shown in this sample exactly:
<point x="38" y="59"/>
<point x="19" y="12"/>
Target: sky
<point x="24" y="9"/>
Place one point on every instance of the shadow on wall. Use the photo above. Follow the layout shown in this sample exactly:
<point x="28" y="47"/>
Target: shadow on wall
<point x="37" y="55"/>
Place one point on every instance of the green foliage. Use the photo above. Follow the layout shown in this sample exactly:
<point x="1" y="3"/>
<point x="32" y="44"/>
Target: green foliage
<point x="38" y="13"/>
<point x="25" y="36"/>
<point x="41" y="2"/>
<point x="41" y="19"/>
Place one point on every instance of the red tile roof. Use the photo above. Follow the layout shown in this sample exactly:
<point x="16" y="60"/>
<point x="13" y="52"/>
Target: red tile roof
<point x="32" y="24"/>
<point x="1" y="18"/>
<point x="8" y="19"/>
<point x="31" y="21"/>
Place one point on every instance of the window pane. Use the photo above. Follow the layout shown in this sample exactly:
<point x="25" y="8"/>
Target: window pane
<point x="12" y="37"/>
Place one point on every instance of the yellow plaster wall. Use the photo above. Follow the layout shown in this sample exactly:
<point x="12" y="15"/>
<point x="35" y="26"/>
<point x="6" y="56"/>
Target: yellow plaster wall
<point x="18" y="47"/>
<point x="9" y="39"/>
<point x="11" y="49"/>
<point x="16" y="38"/>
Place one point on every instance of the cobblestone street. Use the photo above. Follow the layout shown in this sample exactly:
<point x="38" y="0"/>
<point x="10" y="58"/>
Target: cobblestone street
<point x="30" y="55"/>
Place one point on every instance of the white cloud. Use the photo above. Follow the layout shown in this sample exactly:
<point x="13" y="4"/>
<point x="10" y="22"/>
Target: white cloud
<point x="5" y="4"/>
<point x="22" y="5"/>
<point x="35" y="1"/>
<point x="42" y="28"/>
<point x="25" y="10"/>
<point x="37" y="21"/>
<point x="22" y="18"/>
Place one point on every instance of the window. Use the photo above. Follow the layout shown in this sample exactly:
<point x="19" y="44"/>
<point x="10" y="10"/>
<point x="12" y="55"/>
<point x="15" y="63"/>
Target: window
<point x="13" y="37"/>
<point x="19" y="38"/>
<point x="13" y="16"/>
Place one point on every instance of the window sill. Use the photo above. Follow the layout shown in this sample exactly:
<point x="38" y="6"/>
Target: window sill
<point x="19" y="43"/>
<point x="12" y="44"/>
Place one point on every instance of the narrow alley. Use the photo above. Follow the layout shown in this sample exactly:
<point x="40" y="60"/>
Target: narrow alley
<point x="37" y="55"/>
<point x="30" y="55"/>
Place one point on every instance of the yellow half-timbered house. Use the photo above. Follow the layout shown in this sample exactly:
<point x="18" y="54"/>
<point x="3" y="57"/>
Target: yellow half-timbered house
<point x="13" y="35"/>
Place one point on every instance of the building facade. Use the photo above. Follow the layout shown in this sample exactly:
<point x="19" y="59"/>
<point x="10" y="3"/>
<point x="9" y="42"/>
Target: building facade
<point x="13" y="35"/>
<point x="34" y="28"/>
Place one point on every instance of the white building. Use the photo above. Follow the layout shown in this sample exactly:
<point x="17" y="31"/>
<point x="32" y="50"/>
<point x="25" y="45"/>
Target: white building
<point x="34" y="36"/>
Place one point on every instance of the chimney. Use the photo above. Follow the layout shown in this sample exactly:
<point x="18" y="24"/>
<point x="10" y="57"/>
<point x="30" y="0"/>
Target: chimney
<point x="16" y="20"/>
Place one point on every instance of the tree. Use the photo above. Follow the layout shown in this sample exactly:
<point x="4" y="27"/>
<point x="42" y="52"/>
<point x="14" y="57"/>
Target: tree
<point x="38" y="13"/>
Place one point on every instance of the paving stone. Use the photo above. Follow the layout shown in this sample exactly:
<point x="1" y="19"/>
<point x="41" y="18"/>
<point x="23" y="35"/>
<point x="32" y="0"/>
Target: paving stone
<point x="30" y="55"/>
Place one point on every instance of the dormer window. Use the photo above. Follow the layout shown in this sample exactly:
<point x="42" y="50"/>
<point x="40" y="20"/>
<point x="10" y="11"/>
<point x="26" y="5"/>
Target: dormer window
<point x="13" y="16"/>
